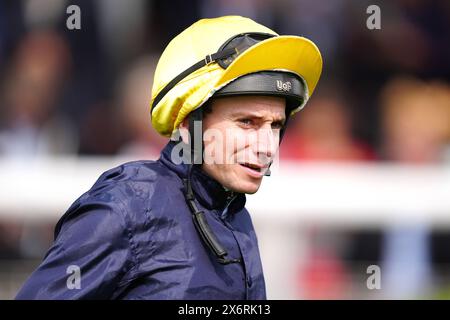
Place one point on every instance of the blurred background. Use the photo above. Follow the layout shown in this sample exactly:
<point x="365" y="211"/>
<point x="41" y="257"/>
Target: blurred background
<point x="364" y="171"/>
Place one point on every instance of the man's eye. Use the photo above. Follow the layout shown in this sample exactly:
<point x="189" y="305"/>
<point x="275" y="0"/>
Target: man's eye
<point x="277" y="125"/>
<point x="246" y="122"/>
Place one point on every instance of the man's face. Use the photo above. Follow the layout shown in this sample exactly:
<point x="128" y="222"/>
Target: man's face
<point x="241" y="138"/>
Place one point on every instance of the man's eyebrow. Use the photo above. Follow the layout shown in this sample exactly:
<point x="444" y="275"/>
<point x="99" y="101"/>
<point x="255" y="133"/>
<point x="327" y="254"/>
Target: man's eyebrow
<point x="238" y="114"/>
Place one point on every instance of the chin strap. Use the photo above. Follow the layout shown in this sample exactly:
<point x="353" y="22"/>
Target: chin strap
<point x="202" y="226"/>
<point x="196" y="136"/>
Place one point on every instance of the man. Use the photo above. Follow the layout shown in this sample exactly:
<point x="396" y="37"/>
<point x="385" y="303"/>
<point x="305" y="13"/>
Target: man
<point x="177" y="228"/>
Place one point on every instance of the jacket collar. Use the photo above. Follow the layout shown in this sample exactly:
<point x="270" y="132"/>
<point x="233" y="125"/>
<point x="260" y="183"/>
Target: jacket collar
<point x="208" y="191"/>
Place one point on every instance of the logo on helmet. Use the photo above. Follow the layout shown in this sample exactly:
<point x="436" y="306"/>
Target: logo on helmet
<point x="284" y="86"/>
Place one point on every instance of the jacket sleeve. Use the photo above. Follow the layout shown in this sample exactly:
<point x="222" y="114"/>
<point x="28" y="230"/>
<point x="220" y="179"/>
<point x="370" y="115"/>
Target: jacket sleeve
<point x="89" y="258"/>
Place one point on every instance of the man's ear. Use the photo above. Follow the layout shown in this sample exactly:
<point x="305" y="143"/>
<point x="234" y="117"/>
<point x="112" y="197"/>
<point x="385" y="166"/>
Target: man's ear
<point x="184" y="130"/>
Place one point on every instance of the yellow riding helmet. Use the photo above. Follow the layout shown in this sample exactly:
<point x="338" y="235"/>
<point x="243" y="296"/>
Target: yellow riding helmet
<point x="212" y="53"/>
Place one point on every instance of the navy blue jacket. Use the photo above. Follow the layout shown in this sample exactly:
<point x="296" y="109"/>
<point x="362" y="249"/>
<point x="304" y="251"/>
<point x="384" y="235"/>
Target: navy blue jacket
<point x="132" y="237"/>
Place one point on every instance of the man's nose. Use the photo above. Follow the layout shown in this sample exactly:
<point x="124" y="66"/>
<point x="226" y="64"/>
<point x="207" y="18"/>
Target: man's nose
<point x="267" y="141"/>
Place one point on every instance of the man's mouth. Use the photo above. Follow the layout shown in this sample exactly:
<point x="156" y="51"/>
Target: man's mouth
<point x="251" y="166"/>
<point x="257" y="169"/>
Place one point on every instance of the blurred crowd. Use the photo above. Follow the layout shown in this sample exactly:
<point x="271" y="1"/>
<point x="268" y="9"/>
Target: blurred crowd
<point x="384" y="94"/>
<point x="87" y="91"/>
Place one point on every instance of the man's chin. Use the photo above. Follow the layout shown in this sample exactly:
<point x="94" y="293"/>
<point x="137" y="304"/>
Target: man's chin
<point x="247" y="188"/>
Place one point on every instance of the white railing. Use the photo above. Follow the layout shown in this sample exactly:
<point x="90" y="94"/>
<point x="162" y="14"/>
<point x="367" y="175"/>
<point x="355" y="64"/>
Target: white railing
<point x="332" y="193"/>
